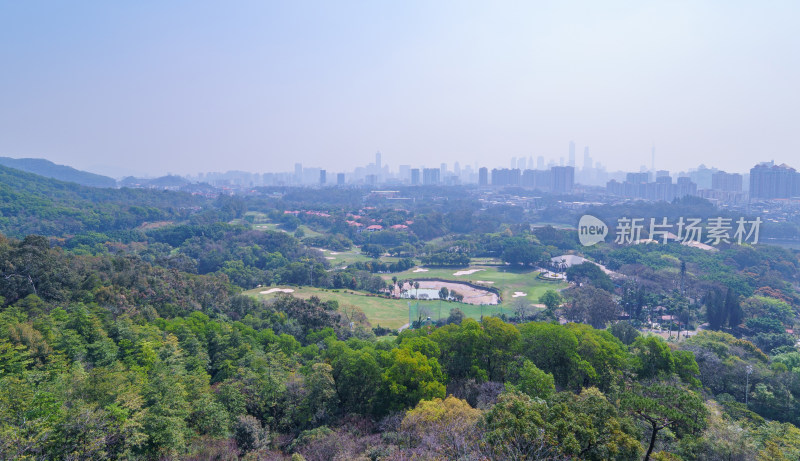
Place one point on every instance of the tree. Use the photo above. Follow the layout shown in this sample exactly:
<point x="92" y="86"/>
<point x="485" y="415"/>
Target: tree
<point x="321" y="401"/>
<point x="444" y="428"/>
<point x="591" y="305"/>
<point x="444" y="293"/>
<point x="551" y="299"/>
<point x="589" y="272"/>
<point x="515" y="429"/>
<point x="663" y="404"/>
<point x="456" y="316"/>
<point x="409" y="378"/>
<point x="249" y="434"/>
<point x="534" y="382"/>
<point x="624" y="331"/>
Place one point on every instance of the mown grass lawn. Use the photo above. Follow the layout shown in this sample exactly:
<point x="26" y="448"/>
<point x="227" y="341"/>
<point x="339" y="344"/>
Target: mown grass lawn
<point x="506" y="278"/>
<point x="389" y="313"/>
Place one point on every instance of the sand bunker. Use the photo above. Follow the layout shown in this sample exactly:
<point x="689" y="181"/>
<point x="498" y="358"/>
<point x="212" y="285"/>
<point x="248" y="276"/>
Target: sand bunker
<point x="333" y="252"/>
<point x="518" y="294"/>
<point x="329" y="257"/>
<point x="488" y="282"/>
<point x="467" y="272"/>
<point x="276" y="290"/>
<point x="419" y="269"/>
<point x="429" y="289"/>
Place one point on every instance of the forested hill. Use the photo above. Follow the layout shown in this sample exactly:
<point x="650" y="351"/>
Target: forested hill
<point x="49" y="169"/>
<point x="33" y="204"/>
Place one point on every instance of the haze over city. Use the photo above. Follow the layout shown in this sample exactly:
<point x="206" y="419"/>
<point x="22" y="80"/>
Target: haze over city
<point x="189" y="87"/>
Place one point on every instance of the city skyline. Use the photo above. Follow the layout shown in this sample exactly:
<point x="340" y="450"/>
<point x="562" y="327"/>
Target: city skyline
<point x="187" y="87"/>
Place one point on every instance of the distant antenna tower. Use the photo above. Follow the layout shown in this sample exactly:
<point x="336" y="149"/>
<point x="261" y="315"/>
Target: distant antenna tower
<point x="653" y="158"/>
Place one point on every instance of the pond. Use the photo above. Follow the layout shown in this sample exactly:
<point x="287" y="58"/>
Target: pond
<point x="422" y="293"/>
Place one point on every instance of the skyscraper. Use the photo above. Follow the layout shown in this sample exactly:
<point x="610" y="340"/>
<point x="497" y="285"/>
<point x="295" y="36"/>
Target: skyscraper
<point x="572" y="154"/>
<point x="323" y="177"/>
<point x="298" y="173"/>
<point x="430" y="176"/>
<point x="562" y="179"/>
<point x="770" y="181"/>
<point x="540" y="162"/>
<point x="653" y="159"/>
<point x="483" y="176"/>
<point x="587" y="160"/>
<point x="340" y="179"/>
<point x="415" y="176"/>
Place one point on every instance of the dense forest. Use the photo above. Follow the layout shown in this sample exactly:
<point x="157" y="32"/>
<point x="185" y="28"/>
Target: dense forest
<point x="123" y="341"/>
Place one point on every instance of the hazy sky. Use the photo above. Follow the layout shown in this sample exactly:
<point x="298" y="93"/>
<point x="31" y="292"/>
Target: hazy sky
<point x="183" y="87"/>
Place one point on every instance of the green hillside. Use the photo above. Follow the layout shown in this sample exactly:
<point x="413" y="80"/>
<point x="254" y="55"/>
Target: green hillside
<point x="33" y="204"/>
<point x="49" y="169"/>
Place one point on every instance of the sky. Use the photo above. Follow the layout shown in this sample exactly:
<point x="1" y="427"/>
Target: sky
<point x="183" y="87"/>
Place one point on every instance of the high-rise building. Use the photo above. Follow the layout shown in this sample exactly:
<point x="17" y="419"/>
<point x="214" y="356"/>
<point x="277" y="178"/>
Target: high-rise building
<point x="323" y="177"/>
<point x="340" y="179"/>
<point x="726" y="182"/>
<point x="443" y="170"/>
<point x="587" y="160"/>
<point x="513" y="162"/>
<point x="483" y="176"/>
<point x="653" y="158"/>
<point x="522" y="164"/>
<point x="637" y="178"/>
<point x="430" y="176"/>
<point x="540" y="162"/>
<point x="298" y="173"/>
<point x="415" y="176"/>
<point x="506" y="177"/>
<point x="457" y="169"/>
<point x="562" y="179"/>
<point x="404" y="171"/>
<point x="572" y="154"/>
<point x="770" y="181"/>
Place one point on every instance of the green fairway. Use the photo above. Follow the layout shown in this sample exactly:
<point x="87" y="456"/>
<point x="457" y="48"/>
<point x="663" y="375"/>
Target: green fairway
<point x="394" y="313"/>
<point x="389" y="313"/>
<point x="507" y="279"/>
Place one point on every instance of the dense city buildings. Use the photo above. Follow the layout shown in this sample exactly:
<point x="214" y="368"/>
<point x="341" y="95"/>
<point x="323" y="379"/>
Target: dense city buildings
<point x="765" y="181"/>
<point x="770" y="181"/>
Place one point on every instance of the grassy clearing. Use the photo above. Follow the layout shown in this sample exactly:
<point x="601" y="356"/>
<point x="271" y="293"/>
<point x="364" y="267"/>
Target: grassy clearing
<point x="507" y="279"/>
<point x="389" y="313"/>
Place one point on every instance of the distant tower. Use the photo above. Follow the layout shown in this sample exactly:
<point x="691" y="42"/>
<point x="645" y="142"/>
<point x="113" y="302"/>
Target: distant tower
<point x="540" y="162"/>
<point x="378" y="166"/>
<point x="572" y="153"/>
<point x="653" y="158"/>
<point x="298" y="173"/>
<point x="587" y="160"/>
<point x="323" y="177"/>
<point x="513" y="162"/>
<point x="483" y="176"/>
